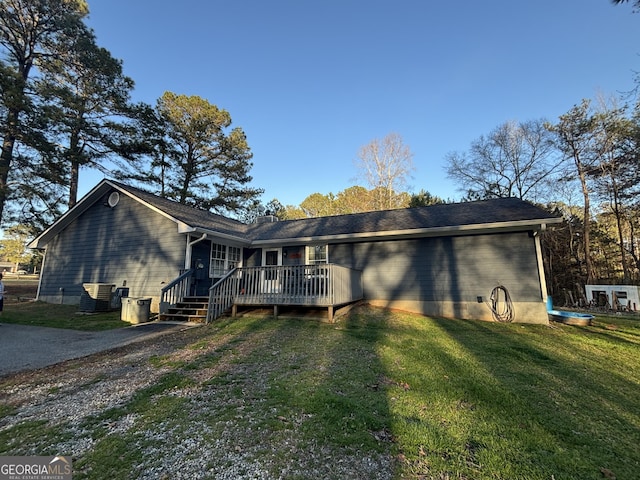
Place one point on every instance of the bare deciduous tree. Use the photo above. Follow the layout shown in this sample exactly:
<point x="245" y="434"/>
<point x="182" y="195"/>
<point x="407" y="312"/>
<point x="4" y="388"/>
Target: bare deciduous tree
<point x="514" y="160"/>
<point x="385" y="165"/>
<point x="576" y="139"/>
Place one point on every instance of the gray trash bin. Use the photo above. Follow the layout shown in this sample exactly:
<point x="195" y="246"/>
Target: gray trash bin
<point x="135" y="309"/>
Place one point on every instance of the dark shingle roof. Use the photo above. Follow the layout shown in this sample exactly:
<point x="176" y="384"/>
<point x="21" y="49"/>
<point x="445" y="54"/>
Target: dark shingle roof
<point x="189" y="215"/>
<point x="480" y="216"/>
<point x="489" y="213"/>
<point x="486" y="212"/>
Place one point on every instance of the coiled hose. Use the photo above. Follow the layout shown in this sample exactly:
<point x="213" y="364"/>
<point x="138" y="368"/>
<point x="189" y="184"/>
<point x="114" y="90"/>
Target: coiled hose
<point x="506" y="313"/>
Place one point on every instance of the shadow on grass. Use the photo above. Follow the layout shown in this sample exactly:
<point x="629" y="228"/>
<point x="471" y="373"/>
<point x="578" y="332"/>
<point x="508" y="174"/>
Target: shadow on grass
<point x="329" y="389"/>
<point x="562" y="399"/>
<point x="446" y="398"/>
<point x="616" y="330"/>
<point x="288" y="396"/>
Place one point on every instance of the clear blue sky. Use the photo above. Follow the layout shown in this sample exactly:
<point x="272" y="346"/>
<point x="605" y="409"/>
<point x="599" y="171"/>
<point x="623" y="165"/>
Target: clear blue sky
<point x="310" y="82"/>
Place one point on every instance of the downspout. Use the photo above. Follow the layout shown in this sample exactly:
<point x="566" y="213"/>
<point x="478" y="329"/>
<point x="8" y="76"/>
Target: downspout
<point x="187" y="257"/>
<point x="44" y="260"/>
<point x="543" y="282"/>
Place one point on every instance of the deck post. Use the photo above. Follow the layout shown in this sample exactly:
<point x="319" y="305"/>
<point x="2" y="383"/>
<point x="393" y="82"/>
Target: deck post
<point x="234" y="310"/>
<point x="330" y="313"/>
<point x="275" y="311"/>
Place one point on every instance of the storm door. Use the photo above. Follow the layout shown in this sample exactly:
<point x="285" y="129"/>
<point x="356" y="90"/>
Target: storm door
<point x="271" y="260"/>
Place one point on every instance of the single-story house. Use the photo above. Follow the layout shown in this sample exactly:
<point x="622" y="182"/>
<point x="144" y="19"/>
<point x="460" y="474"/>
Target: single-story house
<point x="443" y="260"/>
<point x="7" y="267"/>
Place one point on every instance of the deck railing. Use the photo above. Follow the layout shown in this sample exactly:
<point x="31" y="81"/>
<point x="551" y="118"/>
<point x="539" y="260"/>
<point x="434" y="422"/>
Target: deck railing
<point x="175" y="291"/>
<point x="222" y="295"/>
<point x="323" y="285"/>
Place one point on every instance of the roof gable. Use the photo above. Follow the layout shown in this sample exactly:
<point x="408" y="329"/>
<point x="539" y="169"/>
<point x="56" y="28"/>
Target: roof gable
<point x="189" y="218"/>
<point x="186" y="218"/>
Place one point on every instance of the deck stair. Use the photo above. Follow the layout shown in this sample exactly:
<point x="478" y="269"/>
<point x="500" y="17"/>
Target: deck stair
<point x="190" y="309"/>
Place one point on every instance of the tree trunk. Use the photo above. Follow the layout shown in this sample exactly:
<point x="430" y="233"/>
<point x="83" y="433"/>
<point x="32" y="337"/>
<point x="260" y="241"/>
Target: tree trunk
<point x="11" y="128"/>
<point x="623" y="254"/>
<point x="74" y="153"/>
<point x="6" y="156"/>
<point x="73" y="183"/>
<point x="586" y="238"/>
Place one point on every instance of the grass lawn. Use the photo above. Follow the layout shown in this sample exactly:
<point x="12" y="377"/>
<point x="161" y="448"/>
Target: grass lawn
<point x="485" y="400"/>
<point x="60" y="316"/>
<point x="18" y="309"/>
<point x="445" y="399"/>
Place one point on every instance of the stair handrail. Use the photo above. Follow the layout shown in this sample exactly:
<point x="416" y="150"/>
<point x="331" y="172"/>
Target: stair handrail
<point x="175" y="291"/>
<point x="222" y="295"/>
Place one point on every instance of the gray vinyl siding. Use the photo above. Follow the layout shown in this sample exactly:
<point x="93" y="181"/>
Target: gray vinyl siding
<point x="129" y="244"/>
<point x="252" y="257"/>
<point x="456" y="269"/>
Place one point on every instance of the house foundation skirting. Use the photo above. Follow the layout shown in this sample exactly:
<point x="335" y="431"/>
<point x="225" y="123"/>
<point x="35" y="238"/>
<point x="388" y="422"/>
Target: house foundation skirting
<point x="524" y="312"/>
<point x="331" y="311"/>
<point x="62" y="299"/>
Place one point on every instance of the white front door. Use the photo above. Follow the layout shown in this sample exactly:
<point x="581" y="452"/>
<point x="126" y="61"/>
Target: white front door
<point x="271" y="257"/>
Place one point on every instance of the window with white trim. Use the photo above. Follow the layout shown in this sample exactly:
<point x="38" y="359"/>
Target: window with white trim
<point x="234" y="257"/>
<point x="317" y="254"/>
<point x="223" y="259"/>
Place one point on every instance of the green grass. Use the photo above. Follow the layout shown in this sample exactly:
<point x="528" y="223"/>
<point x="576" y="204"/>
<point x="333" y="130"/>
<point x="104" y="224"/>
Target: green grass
<point x="512" y="401"/>
<point x="60" y="316"/>
<point x="19" y="311"/>
<point x="447" y="399"/>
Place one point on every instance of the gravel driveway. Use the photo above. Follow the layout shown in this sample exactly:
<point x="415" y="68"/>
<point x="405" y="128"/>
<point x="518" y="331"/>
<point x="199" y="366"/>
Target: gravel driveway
<point x="26" y="347"/>
<point x="224" y="428"/>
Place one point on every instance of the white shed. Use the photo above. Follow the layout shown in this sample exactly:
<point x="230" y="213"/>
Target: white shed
<point x="617" y="297"/>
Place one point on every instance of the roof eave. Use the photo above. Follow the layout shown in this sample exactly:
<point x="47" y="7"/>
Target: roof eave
<point x="184" y="228"/>
<point x="520" y="225"/>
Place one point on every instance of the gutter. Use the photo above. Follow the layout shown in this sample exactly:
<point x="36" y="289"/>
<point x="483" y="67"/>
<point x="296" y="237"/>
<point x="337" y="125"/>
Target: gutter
<point x="521" y="225"/>
<point x="187" y="257"/>
<point x="185" y="228"/>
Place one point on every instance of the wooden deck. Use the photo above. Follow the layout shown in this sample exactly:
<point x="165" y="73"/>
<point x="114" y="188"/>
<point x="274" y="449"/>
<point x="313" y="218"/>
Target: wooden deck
<point x="326" y="285"/>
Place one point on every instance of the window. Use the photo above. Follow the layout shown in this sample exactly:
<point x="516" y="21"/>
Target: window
<point x="316" y="254"/>
<point x="218" y="258"/>
<point x="223" y="259"/>
<point x="234" y="258"/>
